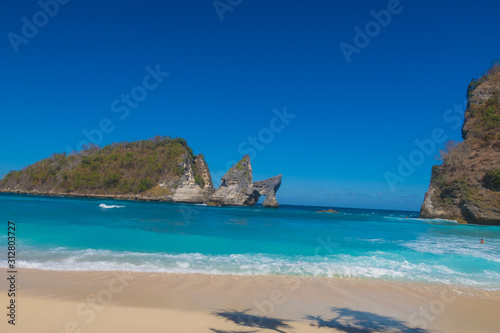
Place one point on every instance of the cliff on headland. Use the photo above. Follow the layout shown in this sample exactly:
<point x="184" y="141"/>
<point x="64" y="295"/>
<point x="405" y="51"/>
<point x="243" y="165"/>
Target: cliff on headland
<point x="466" y="186"/>
<point x="161" y="169"/>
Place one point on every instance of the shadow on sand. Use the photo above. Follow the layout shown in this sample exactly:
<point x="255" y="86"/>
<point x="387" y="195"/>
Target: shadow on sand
<point x="246" y="320"/>
<point x="344" y="320"/>
<point x="352" y="321"/>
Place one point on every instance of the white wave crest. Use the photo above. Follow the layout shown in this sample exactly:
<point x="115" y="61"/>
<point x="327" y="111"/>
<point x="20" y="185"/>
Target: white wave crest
<point x="342" y="265"/>
<point x="451" y="245"/>
<point x="104" y="206"/>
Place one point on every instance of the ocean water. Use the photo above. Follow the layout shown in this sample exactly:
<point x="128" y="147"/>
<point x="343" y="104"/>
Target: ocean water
<point x="97" y="234"/>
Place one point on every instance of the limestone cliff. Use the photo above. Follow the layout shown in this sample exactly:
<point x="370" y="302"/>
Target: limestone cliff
<point x="161" y="169"/>
<point x="188" y="188"/>
<point x="466" y="187"/>
<point x="238" y="189"/>
<point x="268" y="188"/>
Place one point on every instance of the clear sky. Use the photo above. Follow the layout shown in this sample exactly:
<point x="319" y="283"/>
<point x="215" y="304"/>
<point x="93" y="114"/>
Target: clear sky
<point x="360" y="81"/>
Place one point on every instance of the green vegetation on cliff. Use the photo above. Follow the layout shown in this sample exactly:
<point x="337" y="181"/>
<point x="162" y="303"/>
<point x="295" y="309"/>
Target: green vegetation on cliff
<point x="452" y="190"/>
<point x="466" y="187"/>
<point x="491" y="75"/>
<point x="485" y="115"/>
<point x="492" y="179"/>
<point x="121" y="168"/>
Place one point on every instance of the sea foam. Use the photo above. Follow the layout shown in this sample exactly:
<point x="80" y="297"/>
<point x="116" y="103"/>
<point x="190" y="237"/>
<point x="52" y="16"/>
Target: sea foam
<point x="104" y="206"/>
<point x="72" y="234"/>
<point x="343" y="265"/>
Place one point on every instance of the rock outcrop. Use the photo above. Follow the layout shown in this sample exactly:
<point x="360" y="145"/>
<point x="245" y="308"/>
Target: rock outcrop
<point x="238" y="189"/>
<point x="188" y="189"/>
<point x="160" y="169"/>
<point x="327" y="211"/>
<point x="466" y="187"/>
<point x="268" y="188"/>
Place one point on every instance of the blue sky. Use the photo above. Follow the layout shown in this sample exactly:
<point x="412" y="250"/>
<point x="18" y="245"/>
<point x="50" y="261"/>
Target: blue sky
<point x="350" y="119"/>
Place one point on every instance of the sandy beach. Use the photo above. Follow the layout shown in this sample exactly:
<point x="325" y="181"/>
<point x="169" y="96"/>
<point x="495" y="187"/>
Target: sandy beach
<point x="56" y="302"/>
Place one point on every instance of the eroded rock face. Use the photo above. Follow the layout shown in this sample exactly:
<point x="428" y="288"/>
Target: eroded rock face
<point x="269" y="187"/>
<point x="465" y="186"/>
<point x="436" y="210"/>
<point x="160" y="169"/>
<point x="238" y="189"/>
<point x="190" y="189"/>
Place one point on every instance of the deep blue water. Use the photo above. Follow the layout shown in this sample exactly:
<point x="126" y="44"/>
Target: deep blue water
<point x="77" y="234"/>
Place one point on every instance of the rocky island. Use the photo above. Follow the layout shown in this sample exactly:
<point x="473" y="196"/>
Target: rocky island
<point x="160" y="169"/>
<point x="466" y="186"/>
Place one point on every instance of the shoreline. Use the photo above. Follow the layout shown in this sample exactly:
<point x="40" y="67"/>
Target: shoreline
<point x="419" y="284"/>
<point x="130" y="197"/>
<point x="104" y="301"/>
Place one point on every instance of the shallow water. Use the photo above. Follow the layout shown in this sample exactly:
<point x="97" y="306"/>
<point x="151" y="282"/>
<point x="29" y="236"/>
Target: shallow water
<point x="96" y="234"/>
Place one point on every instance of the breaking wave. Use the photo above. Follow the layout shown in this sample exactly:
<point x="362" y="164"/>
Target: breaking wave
<point x="343" y="265"/>
<point x="104" y="206"/>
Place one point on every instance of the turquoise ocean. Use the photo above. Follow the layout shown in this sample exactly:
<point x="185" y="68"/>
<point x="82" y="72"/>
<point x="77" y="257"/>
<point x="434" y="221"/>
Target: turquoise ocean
<point x="78" y="234"/>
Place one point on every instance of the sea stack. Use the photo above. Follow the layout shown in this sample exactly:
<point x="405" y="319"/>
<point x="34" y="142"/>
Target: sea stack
<point x="238" y="189"/>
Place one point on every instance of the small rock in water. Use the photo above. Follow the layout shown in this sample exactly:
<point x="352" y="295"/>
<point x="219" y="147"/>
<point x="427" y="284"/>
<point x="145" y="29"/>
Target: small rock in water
<point x="327" y="211"/>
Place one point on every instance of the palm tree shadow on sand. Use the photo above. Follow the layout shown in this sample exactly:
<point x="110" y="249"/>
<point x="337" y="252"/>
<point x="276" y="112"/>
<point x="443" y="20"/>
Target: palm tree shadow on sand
<point x="352" y="321"/>
<point x="244" y="319"/>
